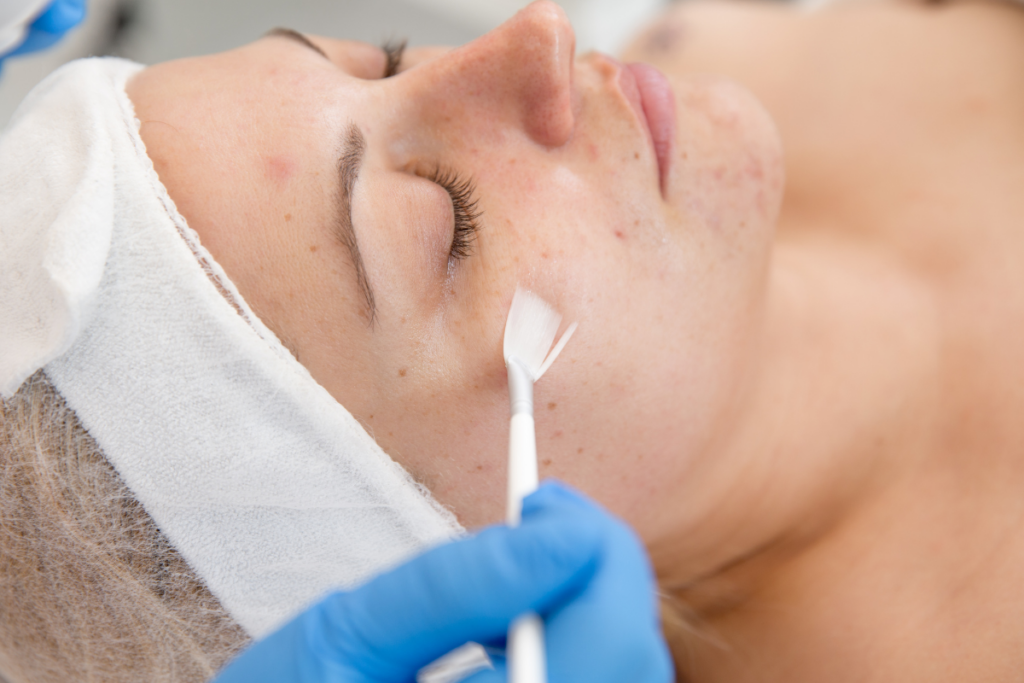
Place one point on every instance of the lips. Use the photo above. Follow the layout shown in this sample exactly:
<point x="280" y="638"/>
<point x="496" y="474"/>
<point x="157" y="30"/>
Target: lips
<point x="649" y="92"/>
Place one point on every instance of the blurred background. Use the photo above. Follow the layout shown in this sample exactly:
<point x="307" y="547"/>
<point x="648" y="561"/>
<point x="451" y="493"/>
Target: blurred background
<point x="150" y="31"/>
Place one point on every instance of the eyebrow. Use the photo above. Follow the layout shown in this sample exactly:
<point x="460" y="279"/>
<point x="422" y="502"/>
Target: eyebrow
<point x="348" y="170"/>
<point x="299" y="38"/>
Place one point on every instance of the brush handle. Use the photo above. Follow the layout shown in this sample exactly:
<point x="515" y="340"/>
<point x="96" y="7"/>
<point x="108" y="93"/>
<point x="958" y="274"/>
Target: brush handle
<point x="522" y="465"/>
<point x="525" y="650"/>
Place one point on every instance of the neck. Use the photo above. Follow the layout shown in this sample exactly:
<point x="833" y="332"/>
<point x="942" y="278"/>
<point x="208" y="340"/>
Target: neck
<point x="836" y="406"/>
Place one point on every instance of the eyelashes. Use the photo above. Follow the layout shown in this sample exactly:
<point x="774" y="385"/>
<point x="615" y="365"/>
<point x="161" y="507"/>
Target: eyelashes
<point x="462" y="191"/>
<point x="393" y="50"/>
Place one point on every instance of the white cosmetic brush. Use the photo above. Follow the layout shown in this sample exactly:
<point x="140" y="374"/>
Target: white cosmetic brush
<point x="531" y="327"/>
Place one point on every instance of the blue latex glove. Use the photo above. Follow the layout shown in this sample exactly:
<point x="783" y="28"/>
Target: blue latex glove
<point x="50" y="26"/>
<point x="582" y="570"/>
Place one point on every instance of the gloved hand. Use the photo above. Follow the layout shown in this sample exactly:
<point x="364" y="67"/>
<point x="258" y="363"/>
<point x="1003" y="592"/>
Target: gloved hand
<point x="50" y="26"/>
<point x="582" y="570"/>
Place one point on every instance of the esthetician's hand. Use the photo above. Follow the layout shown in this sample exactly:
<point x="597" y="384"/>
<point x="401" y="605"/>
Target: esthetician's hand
<point x="582" y="570"/>
<point x="49" y="27"/>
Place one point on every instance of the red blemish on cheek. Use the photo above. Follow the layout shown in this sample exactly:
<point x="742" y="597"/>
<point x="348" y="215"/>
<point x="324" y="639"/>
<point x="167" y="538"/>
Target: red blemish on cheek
<point x="279" y="170"/>
<point x="621" y="235"/>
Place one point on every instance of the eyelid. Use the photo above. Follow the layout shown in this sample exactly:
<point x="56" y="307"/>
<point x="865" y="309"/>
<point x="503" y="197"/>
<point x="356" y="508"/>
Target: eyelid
<point x="466" y="210"/>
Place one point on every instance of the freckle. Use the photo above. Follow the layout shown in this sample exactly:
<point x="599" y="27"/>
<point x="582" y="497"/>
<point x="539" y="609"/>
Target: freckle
<point x="402" y="371"/>
<point x="552" y="406"/>
<point x="403" y="320"/>
<point x="313" y="248"/>
<point x="636" y="155"/>
<point x="558" y="433"/>
<point x="544" y="254"/>
<point x="479" y="468"/>
<point x="546" y="462"/>
<point x="636" y="223"/>
<point x="620" y="234"/>
<point x="287" y="217"/>
<point x="579" y="450"/>
<point x="371" y="417"/>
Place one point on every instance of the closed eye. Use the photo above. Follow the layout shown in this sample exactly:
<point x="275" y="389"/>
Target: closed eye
<point x="464" y="206"/>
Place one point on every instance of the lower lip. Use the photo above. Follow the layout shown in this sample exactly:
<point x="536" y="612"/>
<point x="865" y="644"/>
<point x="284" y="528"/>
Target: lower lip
<point x="659" y="109"/>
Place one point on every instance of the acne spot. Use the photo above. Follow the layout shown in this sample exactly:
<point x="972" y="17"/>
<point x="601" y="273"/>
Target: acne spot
<point x="287" y="217"/>
<point x="479" y="468"/>
<point x="544" y="254"/>
<point x="313" y="249"/>
<point x="636" y="155"/>
<point x="402" y="371"/>
<point x="579" y="450"/>
<point x="279" y="170"/>
<point x="621" y="235"/>
<point x="558" y="434"/>
<point x="546" y="462"/>
<point x="402" y="320"/>
<point x="552" y="406"/>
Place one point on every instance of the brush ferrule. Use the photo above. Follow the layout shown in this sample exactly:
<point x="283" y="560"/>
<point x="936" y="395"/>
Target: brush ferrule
<point x="520" y="387"/>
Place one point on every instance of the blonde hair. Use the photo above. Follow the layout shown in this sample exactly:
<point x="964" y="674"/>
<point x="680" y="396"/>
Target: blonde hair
<point x="90" y="590"/>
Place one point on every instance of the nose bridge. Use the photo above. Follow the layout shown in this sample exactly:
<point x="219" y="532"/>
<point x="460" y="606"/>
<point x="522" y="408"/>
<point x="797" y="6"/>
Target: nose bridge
<point x="519" y="74"/>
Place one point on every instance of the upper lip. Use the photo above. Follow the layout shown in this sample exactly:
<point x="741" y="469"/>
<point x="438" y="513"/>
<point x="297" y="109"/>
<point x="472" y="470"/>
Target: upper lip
<point x="630" y="91"/>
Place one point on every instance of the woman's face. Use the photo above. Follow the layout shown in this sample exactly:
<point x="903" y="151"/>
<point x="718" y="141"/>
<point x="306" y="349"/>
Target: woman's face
<point x="320" y="186"/>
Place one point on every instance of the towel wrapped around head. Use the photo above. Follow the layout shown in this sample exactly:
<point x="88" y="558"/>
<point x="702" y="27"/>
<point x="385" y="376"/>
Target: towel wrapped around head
<point x="270" y="490"/>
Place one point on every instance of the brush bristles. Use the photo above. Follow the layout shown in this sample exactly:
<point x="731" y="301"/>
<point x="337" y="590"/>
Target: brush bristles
<point x="529" y="330"/>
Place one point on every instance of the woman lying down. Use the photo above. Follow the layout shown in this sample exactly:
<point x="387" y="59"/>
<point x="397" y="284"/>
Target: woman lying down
<point x="252" y="353"/>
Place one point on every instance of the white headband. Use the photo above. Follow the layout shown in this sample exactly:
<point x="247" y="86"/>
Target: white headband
<point x="267" y="486"/>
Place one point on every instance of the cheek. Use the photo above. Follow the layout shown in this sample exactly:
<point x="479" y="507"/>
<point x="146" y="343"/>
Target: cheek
<point x="450" y="431"/>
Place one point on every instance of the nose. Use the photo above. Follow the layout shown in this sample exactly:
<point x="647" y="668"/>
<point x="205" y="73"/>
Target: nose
<point x="520" y="74"/>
